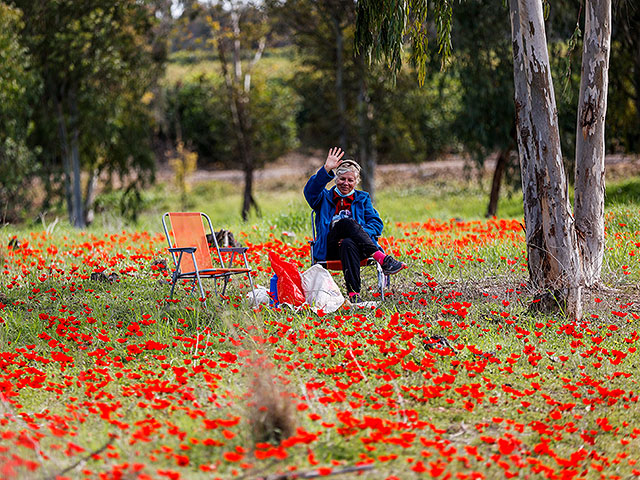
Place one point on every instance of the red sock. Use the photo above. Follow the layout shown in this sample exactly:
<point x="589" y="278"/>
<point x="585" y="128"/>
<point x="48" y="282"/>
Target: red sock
<point x="352" y="294"/>
<point x="379" y="256"/>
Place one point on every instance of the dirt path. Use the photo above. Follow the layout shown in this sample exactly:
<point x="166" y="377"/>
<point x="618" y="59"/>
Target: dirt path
<point x="295" y="166"/>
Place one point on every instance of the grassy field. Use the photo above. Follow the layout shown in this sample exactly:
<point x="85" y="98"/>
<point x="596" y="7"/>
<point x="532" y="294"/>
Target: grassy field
<point x="183" y="65"/>
<point x="451" y="376"/>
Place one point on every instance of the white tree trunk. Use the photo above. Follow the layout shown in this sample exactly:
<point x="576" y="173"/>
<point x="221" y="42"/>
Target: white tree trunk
<point x="78" y="210"/>
<point x="532" y="213"/>
<point x="66" y="158"/>
<point x="592" y="110"/>
<point x="78" y="206"/>
<point x="555" y="266"/>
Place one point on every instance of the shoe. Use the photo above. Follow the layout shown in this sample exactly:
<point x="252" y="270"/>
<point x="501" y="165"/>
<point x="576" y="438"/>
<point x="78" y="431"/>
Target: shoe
<point x="354" y="299"/>
<point x="391" y="266"/>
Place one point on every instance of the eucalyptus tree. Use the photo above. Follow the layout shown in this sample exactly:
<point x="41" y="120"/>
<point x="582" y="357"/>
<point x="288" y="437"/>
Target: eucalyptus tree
<point x="590" y="138"/>
<point x="322" y="31"/>
<point x="556" y="259"/>
<point x="259" y="112"/>
<point x="485" y="121"/>
<point x="97" y="61"/>
<point x="237" y="78"/>
<point x="18" y="86"/>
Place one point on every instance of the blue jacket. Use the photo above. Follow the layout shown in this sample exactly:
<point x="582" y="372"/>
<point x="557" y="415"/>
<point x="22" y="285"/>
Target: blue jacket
<point x="321" y="201"/>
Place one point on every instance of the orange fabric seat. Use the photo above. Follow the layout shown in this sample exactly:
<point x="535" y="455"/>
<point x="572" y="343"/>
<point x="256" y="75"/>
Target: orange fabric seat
<point x="189" y="248"/>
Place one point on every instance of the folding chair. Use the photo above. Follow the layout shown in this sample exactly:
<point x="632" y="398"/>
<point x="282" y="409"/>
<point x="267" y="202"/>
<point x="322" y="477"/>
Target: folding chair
<point x="192" y="258"/>
<point x="383" y="280"/>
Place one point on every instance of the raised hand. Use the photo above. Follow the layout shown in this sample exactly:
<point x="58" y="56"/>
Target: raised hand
<point x="334" y="158"/>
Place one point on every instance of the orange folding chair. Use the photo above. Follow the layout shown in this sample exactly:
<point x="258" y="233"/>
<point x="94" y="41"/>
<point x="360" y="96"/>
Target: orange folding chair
<point x="189" y="248"/>
<point x="383" y="280"/>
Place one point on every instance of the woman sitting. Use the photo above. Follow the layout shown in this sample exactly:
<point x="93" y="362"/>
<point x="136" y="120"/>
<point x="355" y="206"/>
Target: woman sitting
<point x="347" y="225"/>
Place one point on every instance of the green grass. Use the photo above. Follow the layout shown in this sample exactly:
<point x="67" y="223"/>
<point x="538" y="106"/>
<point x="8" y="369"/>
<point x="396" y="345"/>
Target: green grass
<point x="283" y="207"/>
<point x="372" y="376"/>
<point x="442" y="200"/>
<point x="362" y="355"/>
<point x="278" y="64"/>
<point x="624" y="192"/>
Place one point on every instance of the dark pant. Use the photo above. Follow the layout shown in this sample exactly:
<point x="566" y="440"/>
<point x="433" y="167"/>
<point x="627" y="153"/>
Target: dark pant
<point x="348" y="242"/>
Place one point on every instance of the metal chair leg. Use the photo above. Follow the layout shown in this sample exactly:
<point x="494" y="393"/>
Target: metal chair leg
<point x="175" y="275"/>
<point x="381" y="280"/>
<point x="199" y="282"/>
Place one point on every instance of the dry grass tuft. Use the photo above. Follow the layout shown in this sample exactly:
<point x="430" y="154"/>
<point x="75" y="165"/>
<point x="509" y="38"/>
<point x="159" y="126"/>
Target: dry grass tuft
<point x="271" y="411"/>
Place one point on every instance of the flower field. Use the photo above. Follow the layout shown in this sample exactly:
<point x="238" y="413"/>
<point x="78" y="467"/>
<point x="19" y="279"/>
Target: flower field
<point x="451" y="376"/>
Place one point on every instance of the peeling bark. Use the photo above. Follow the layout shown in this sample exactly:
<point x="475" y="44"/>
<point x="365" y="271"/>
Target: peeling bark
<point x="532" y="214"/>
<point x="590" y="147"/>
<point x="554" y="263"/>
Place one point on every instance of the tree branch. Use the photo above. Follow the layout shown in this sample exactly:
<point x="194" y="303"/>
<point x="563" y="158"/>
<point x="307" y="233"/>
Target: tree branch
<point x="83" y="459"/>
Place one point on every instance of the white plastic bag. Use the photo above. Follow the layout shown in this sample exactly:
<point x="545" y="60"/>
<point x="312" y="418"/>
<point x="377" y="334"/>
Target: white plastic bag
<point x="261" y="296"/>
<point x="320" y="290"/>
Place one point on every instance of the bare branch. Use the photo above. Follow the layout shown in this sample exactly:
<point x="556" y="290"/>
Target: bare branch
<point x="84" y="459"/>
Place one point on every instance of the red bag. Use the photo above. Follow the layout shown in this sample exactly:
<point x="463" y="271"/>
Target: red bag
<point x="289" y="281"/>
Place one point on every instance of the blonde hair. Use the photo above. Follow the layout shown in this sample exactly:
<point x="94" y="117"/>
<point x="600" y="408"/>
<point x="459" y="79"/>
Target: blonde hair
<point x="348" y="165"/>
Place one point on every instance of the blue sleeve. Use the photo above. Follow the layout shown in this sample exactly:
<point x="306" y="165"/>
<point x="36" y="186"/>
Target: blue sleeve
<point x="315" y="187"/>
<point x="373" y="223"/>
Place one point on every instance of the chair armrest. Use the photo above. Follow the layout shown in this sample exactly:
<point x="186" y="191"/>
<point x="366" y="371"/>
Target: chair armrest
<point x="183" y="249"/>
<point x="234" y="249"/>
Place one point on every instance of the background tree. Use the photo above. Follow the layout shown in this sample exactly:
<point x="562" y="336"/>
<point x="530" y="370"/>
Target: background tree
<point x="257" y="114"/>
<point x="345" y="102"/>
<point x="483" y="64"/>
<point x="97" y="61"/>
<point x="623" y="124"/>
<point x="229" y="41"/>
<point x="17" y="86"/>
<point x="553" y="256"/>
<point x="323" y="32"/>
<point x="196" y="110"/>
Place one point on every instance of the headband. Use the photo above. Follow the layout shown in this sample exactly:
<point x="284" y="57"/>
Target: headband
<point x="348" y="165"/>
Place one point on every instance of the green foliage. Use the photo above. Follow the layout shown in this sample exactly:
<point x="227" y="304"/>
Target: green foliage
<point x="382" y="27"/>
<point x="18" y="85"/>
<point x="407" y="123"/>
<point x="199" y="109"/>
<point x="415" y="124"/>
<point x="273" y="108"/>
<point x="623" y="107"/>
<point x="17" y="81"/>
<point x="126" y="204"/>
<point x="566" y="100"/>
<point x="483" y="64"/>
<point x="98" y="63"/>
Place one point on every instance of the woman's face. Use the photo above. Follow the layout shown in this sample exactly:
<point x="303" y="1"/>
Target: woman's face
<point x="346" y="182"/>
